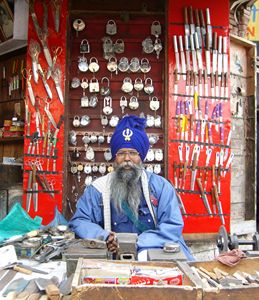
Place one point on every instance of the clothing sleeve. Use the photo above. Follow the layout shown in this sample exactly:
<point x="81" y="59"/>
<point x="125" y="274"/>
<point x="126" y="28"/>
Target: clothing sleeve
<point x="169" y="219"/>
<point x="87" y="221"/>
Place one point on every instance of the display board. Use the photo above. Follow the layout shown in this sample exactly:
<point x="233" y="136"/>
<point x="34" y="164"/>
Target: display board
<point x="44" y="108"/>
<point x="199" y="153"/>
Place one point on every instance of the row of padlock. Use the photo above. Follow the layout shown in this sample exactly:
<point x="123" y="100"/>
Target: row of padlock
<point x="152" y="154"/>
<point x="123" y="65"/>
<point x="100" y="138"/>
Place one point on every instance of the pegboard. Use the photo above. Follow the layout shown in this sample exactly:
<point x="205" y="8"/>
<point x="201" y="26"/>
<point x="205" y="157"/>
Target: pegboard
<point x="199" y="115"/>
<point x="44" y="108"/>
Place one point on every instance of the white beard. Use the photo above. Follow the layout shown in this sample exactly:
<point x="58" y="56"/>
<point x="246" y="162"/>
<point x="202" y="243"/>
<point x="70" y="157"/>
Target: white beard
<point x="125" y="186"/>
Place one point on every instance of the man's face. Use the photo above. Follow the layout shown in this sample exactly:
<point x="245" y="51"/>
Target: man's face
<point x="126" y="157"/>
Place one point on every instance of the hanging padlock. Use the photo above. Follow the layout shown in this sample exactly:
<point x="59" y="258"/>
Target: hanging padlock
<point x="107" y="105"/>
<point x="127" y="85"/>
<point x="145" y="66"/>
<point x="93" y="101"/>
<point x="133" y="103"/>
<point x="107" y="154"/>
<point x="119" y="46"/>
<point x="89" y="153"/>
<point x="148" y="87"/>
<point x="105" y="88"/>
<point x="114" y="121"/>
<point x="82" y="64"/>
<point x="78" y="25"/>
<point x="138" y="84"/>
<point x="154" y="103"/>
<point x="73" y="168"/>
<point x="94" y="85"/>
<point x="76" y="121"/>
<point x="84" y="101"/>
<point x="84" y="47"/>
<point x="156" y="28"/>
<point x="123" y="103"/>
<point x="93" y="65"/>
<point x="104" y="120"/>
<point x="111" y="27"/>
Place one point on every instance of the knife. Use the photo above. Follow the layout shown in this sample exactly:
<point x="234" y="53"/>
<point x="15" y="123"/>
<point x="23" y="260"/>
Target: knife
<point x="30" y="91"/>
<point x="229" y="161"/>
<point x="218" y="203"/>
<point x="187" y="52"/>
<point x="35" y="188"/>
<point x="31" y="268"/>
<point x="182" y="57"/>
<point x="198" y="51"/>
<point x="214" y="54"/>
<point x="194" y="58"/>
<point x="29" y="195"/>
<point x="177" y="57"/>
<point x="203" y="28"/>
<point x="225" y="55"/>
<point x="207" y="54"/>
<point x="195" y="157"/>
<point x="59" y="91"/>
<point x="186" y="24"/>
<point x="209" y="27"/>
<point x="192" y="25"/>
<point x="220" y="57"/>
<point x="198" y="28"/>
<point x="204" y="197"/>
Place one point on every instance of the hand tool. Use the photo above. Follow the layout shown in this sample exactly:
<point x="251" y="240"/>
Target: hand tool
<point x="198" y="52"/>
<point x="56" y="75"/>
<point x="177" y="57"/>
<point x="35" y="188"/>
<point x="183" y="64"/>
<point x="45" y="18"/>
<point x="186" y="23"/>
<point x="181" y="205"/>
<point x="57" y="52"/>
<point x="214" y="54"/>
<point x="229" y="161"/>
<point x="27" y="74"/>
<point x="34" y="18"/>
<point x="180" y="153"/>
<point x="45" y="83"/>
<point x="56" y="12"/>
<point x="207" y="55"/>
<point x="204" y="197"/>
<point x="218" y="203"/>
<point x="225" y="55"/>
<point x="175" y="85"/>
<point x="48" y="113"/>
<point x="187" y="154"/>
<point x="208" y="156"/>
<point x="34" y="51"/>
<point x="187" y="52"/>
<point x="29" y="190"/>
<point x="227" y="144"/>
<point x="220" y="58"/>
<point x="175" y="175"/>
<point x="195" y="159"/>
<point x="198" y="28"/>
<point x="194" y="58"/>
<point x="192" y="25"/>
<point x="203" y="28"/>
<point x="209" y="27"/>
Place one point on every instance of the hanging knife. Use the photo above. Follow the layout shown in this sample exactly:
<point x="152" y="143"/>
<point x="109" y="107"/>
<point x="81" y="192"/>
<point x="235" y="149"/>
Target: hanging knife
<point x="204" y="197"/>
<point x="45" y="83"/>
<point x="192" y="25"/>
<point x="56" y="75"/>
<point x="57" y="51"/>
<point x="175" y="85"/>
<point x="43" y="39"/>
<point x="209" y="27"/>
<point x="198" y="52"/>
<point x="187" y="154"/>
<point x="27" y="74"/>
<point x="181" y="205"/>
<point x="183" y="64"/>
<point x="177" y="57"/>
<point x="34" y="18"/>
<point x="207" y="54"/>
<point x="45" y="17"/>
<point x="34" y="50"/>
<point x="229" y="161"/>
<point x="50" y="117"/>
<point x="218" y="203"/>
<point x="203" y="28"/>
<point x="225" y="55"/>
<point x="214" y="54"/>
<point x="175" y="175"/>
<point x="56" y="11"/>
<point x="186" y="24"/>
<point x="220" y="62"/>
<point x="187" y="52"/>
<point x="195" y="158"/>
<point x="198" y="28"/>
<point x="227" y="144"/>
<point x="35" y="188"/>
<point x="194" y="58"/>
<point x="29" y="194"/>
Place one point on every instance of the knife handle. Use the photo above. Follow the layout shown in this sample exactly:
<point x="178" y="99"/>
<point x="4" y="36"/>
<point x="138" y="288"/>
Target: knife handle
<point x="191" y="15"/>
<point x="207" y="41"/>
<point x="215" y="36"/>
<point x="194" y="161"/>
<point x="197" y="18"/>
<point x="185" y="15"/>
<point x="22" y="270"/>
<point x="202" y="18"/>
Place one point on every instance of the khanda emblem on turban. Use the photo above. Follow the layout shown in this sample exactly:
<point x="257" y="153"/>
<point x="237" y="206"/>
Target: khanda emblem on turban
<point x="127" y="133"/>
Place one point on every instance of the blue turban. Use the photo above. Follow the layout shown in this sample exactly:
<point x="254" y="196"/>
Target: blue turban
<point x="130" y="133"/>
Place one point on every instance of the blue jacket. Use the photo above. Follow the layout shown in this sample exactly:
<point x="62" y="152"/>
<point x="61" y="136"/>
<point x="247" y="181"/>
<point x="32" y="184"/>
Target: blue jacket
<point x="88" y="221"/>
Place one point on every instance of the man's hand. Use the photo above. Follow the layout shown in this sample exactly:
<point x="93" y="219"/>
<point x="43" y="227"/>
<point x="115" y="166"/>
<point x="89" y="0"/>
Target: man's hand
<point x="112" y="243"/>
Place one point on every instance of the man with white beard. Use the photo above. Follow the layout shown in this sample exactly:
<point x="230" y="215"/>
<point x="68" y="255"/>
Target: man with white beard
<point x="130" y="199"/>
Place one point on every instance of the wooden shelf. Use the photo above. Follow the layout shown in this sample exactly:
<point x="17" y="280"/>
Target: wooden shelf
<point x="11" y="139"/>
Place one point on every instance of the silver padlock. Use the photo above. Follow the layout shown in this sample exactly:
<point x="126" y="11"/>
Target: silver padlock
<point x="105" y="88"/>
<point x="111" y="27"/>
<point x="94" y="86"/>
<point x="93" y="101"/>
<point x="76" y="121"/>
<point x="107" y="105"/>
<point x="133" y="103"/>
<point x="84" y="47"/>
<point x="84" y="101"/>
<point x="93" y="65"/>
<point x="127" y="85"/>
<point x="156" y="28"/>
<point x="104" y="120"/>
<point x="154" y="103"/>
<point x="123" y="103"/>
<point x="148" y="87"/>
<point x="82" y="64"/>
<point x="119" y="46"/>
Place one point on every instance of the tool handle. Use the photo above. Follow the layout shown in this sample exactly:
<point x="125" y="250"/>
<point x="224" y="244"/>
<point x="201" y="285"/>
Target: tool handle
<point x="191" y="15"/>
<point x="22" y="270"/>
<point x="202" y="18"/>
<point x="185" y="15"/>
<point x="197" y="18"/>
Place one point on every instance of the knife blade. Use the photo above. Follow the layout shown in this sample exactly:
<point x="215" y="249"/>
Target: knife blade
<point x="218" y="203"/>
<point x="183" y="64"/>
<point x="204" y="197"/>
<point x="209" y="27"/>
<point x="225" y="55"/>
<point x="30" y="91"/>
<point x="36" y="270"/>
<point x="35" y="188"/>
<point x="214" y="54"/>
<point x="47" y="88"/>
<point x="207" y="54"/>
<point x="59" y="91"/>
<point x="29" y="195"/>
<point x="198" y="52"/>
<point x="194" y="58"/>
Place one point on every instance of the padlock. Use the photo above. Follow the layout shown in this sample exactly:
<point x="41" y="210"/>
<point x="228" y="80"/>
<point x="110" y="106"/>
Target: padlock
<point x="105" y="88"/>
<point x="110" y="168"/>
<point x="107" y="154"/>
<point x="159" y="155"/>
<point x="156" y="28"/>
<point x="123" y="103"/>
<point x="145" y="66"/>
<point x="107" y="105"/>
<point x="127" y="85"/>
<point x="154" y="103"/>
<point x="134" y="65"/>
<point x="149" y="168"/>
<point x="84" y="83"/>
<point x="104" y="120"/>
<point x="72" y="138"/>
<point x="86" y="139"/>
<point x="147" y="45"/>
<point x="76" y="121"/>
<point x="123" y="64"/>
<point x="78" y="25"/>
<point x="82" y="64"/>
<point x="88" y="180"/>
<point x="93" y="65"/>
<point x="133" y="103"/>
<point x="112" y="65"/>
<point x="93" y="101"/>
<point x="114" y="121"/>
<point x="111" y="27"/>
<point x="150" y="121"/>
<point x="102" y="168"/>
<point x="119" y="46"/>
<point x="73" y="168"/>
<point x="85" y="121"/>
<point x="93" y="138"/>
<point x="84" y="47"/>
<point x="148" y="87"/>
<point x="87" y="169"/>
<point x="94" y="168"/>
<point x="75" y="83"/>
<point x="138" y="84"/>
<point x="89" y="154"/>
<point x="157" y="169"/>
<point x="107" y="48"/>
<point x="150" y="155"/>
<point x="76" y="153"/>
<point x="158" y="121"/>
<point x="80" y="167"/>
<point x="84" y="101"/>
<point x="94" y="86"/>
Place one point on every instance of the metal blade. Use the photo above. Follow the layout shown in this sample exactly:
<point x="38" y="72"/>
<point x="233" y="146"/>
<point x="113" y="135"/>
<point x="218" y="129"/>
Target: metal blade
<point x="48" y="90"/>
<point x="47" y="55"/>
<point x="59" y="91"/>
<point x="35" y="71"/>
<point x="31" y="95"/>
